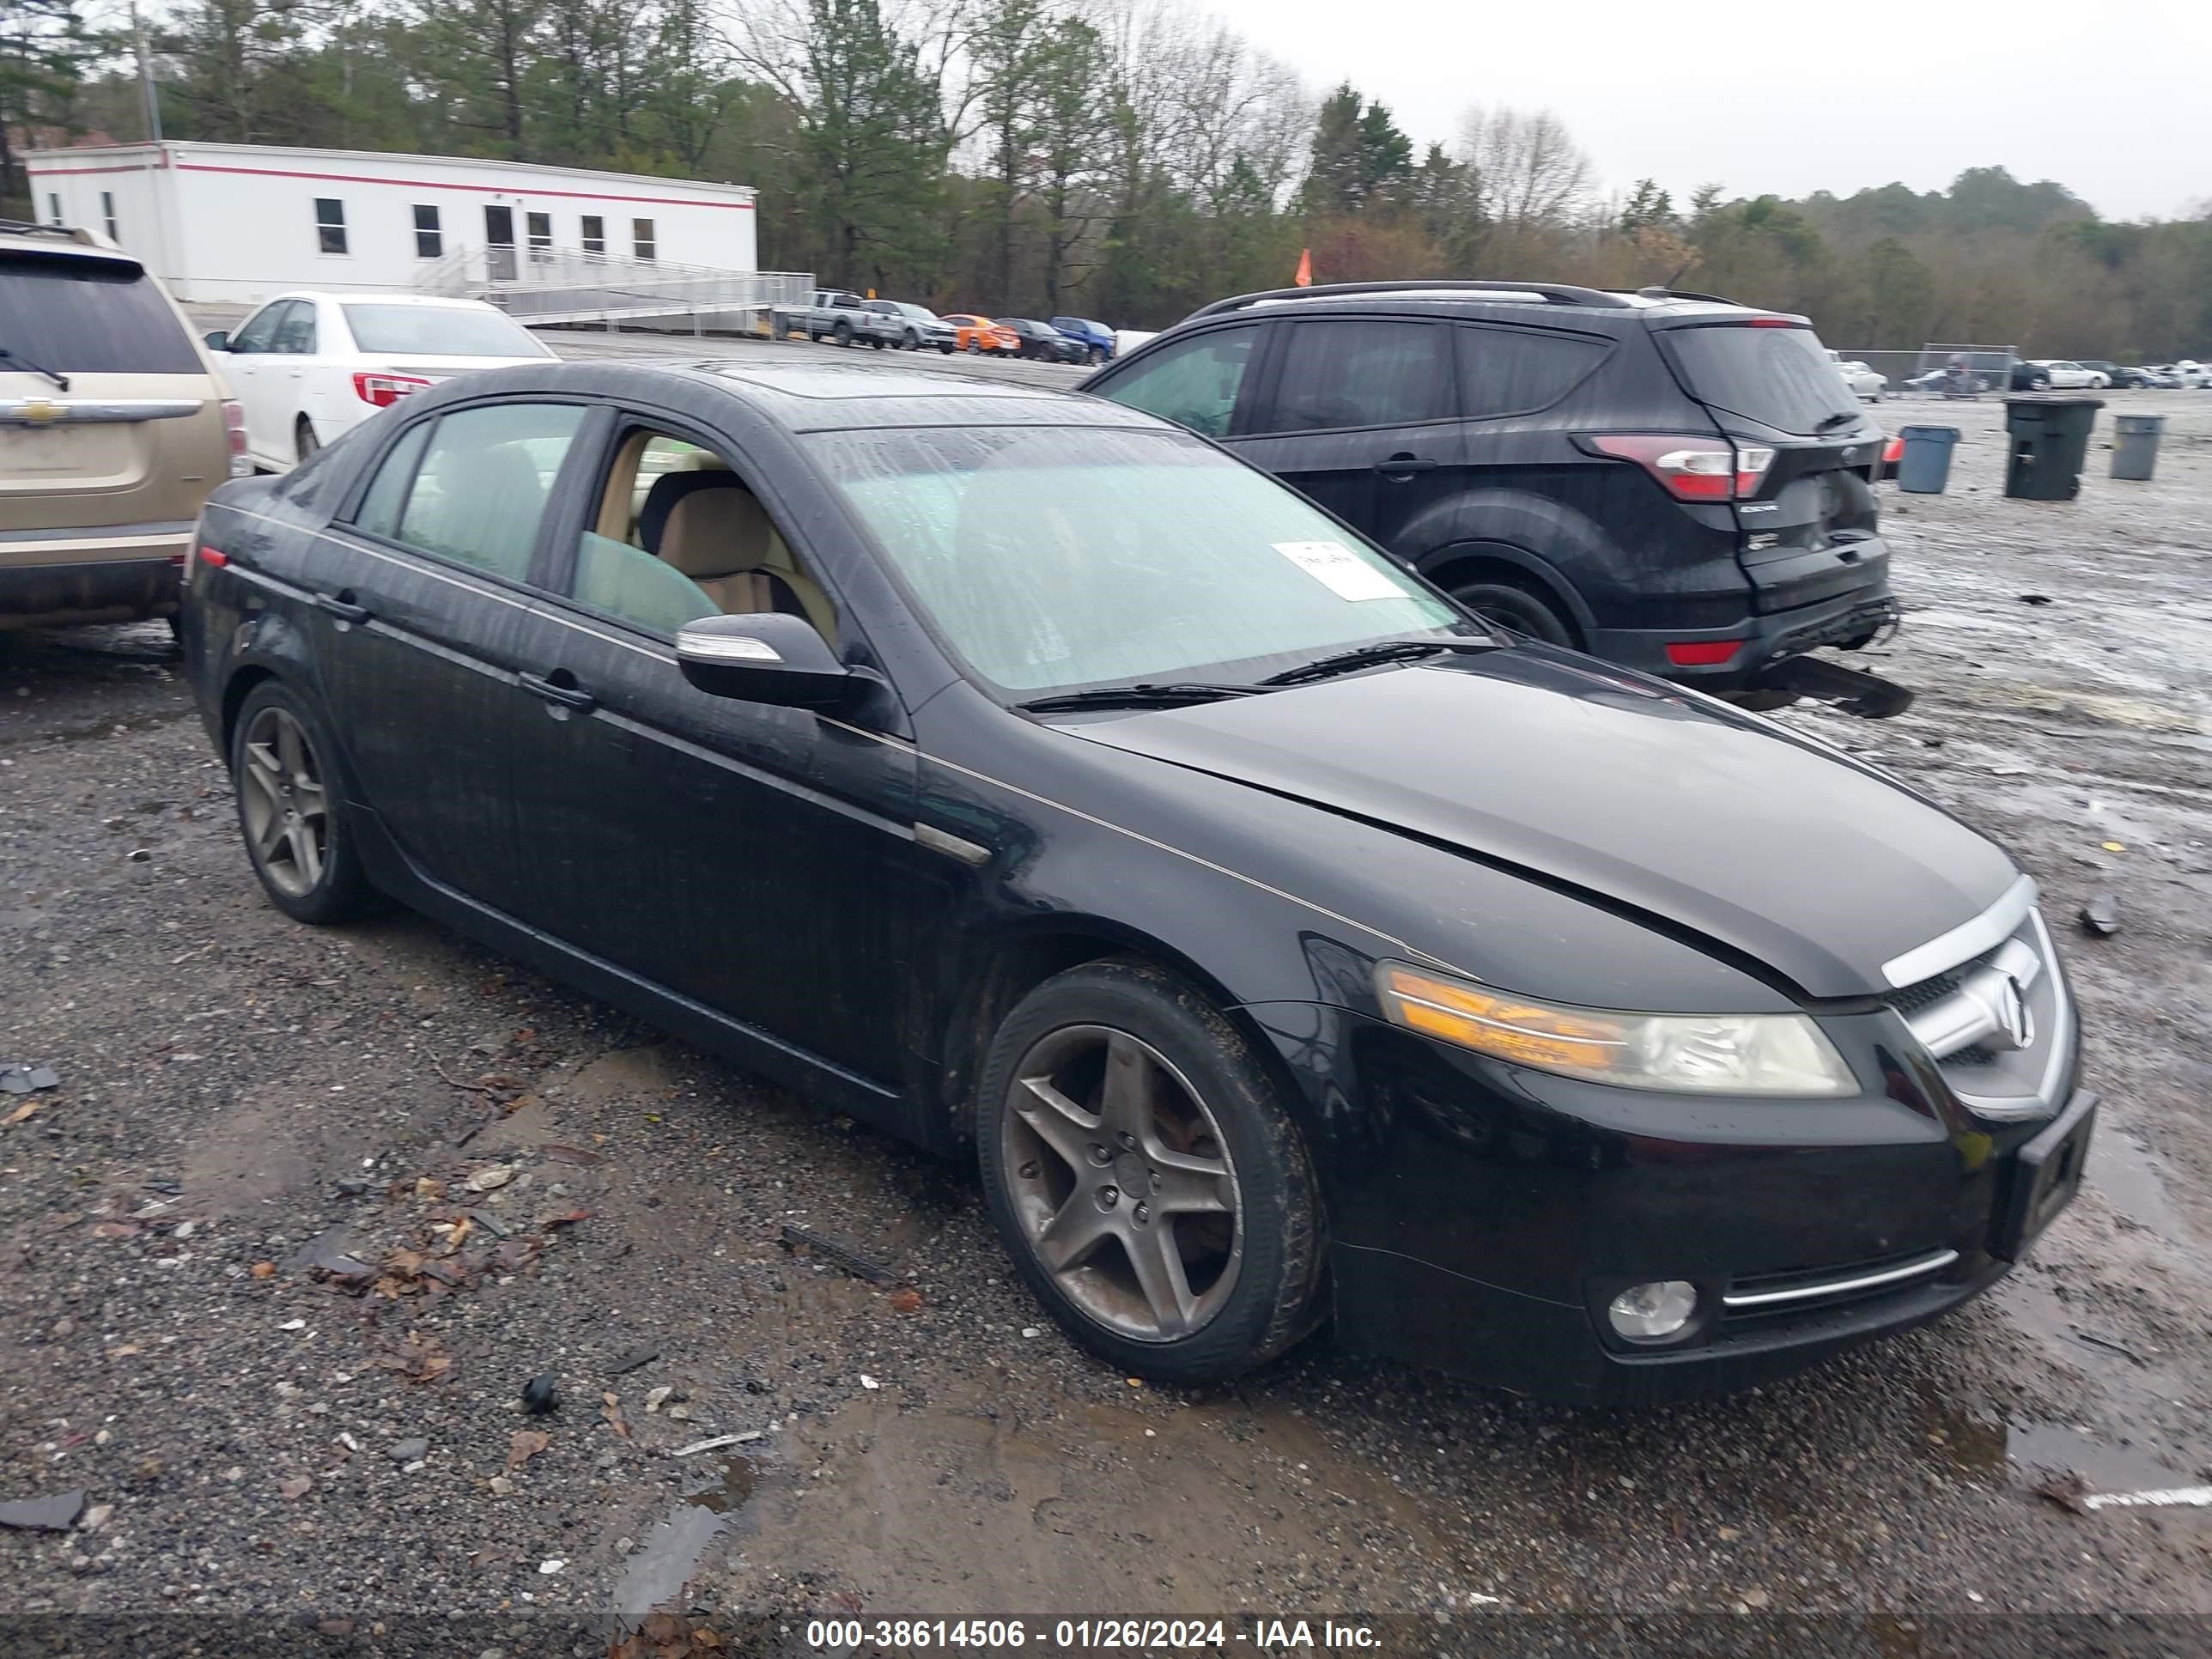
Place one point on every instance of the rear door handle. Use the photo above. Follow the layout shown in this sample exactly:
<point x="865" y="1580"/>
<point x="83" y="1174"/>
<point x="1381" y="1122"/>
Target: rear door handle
<point x="339" y="605"/>
<point x="568" y="697"/>
<point x="1404" y="465"/>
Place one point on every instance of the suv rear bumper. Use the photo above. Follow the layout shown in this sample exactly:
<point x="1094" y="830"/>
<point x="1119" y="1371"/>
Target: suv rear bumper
<point x="1847" y="620"/>
<point x="115" y="573"/>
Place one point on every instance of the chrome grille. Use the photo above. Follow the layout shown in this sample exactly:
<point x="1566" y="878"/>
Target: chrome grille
<point x="1997" y="1021"/>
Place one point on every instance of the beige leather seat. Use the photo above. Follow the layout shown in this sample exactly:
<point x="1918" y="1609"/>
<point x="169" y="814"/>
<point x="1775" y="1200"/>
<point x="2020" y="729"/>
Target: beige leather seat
<point x="715" y="532"/>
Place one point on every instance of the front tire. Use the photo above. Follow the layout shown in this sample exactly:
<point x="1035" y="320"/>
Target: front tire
<point x="291" y="812"/>
<point x="1098" y="356"/>
<point x="974" y="348"/>
<point x="1510" y="605"/>
<point x="1143" y="1174"/>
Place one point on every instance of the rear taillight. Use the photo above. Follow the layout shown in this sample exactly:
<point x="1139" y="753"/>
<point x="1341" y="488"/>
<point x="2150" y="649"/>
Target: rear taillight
<point x="1692" y="469"/>
<point x="1894" y="452"/>
<point x="386" y="390"/>
<point x="233" y="432"/>
<point x="213" y="557"/>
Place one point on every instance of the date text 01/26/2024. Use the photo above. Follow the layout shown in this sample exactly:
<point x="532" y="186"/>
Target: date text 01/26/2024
<point x="1257" y="1635"/>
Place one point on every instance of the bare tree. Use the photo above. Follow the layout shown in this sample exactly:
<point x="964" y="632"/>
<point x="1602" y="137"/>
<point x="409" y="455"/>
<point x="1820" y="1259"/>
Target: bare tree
<point x="1529" y="172"/>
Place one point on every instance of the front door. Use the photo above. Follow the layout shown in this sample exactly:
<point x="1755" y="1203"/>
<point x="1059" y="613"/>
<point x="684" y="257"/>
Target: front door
<point x="423" y="602"/>
<point x="1361" y="415"/>
<point x="759" y="861"/>
<point x="499" y="244"/>
<point x="244" y="365"/>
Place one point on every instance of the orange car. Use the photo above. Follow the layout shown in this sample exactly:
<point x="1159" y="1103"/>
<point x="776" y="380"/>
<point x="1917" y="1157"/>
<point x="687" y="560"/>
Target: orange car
<point x="980" y="334"/>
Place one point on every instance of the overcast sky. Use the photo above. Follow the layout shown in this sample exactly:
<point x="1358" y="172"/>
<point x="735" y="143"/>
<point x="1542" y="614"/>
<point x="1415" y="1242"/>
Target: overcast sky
<point x="2114" y="101"/>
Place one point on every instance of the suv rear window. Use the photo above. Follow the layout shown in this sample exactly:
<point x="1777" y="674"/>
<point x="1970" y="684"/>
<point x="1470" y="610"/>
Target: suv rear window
<point x="88" y="316"/>
<point x="1779" y="376"/>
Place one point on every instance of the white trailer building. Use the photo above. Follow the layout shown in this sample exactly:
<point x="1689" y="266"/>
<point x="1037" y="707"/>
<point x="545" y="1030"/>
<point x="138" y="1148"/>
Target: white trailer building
<point x="238" y="222"/>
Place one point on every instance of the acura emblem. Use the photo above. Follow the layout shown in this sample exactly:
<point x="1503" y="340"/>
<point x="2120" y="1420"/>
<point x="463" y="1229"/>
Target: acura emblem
<point x="2015" y="1024"/>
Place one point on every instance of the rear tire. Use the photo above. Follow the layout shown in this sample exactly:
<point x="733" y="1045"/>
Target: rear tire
<point x="1096" y="356"/>
<point x="1518" y="609"/>
<point x="974" y="348"/>
<point x="305" y="443"/>
<point x="291" y="809"/>
<point x="843" y="334"/>
<point x="1209" y="1186"/>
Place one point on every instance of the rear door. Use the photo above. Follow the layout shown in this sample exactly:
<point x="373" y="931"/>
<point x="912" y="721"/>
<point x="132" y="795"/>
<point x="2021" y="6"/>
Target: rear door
<point x="1362" y="414"/>
<point x="136" y="437"/>
<point x="425" y="594"/>
<point x="1808" y="530"/>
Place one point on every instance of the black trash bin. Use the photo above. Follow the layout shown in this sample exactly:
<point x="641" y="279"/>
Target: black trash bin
<point x="2049" y="442"/>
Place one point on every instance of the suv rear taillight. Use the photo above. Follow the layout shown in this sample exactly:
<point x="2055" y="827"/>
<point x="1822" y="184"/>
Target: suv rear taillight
<point x="233" y="432"/>
<point x="1692" y="469"/>
<point x="386" y="390"/>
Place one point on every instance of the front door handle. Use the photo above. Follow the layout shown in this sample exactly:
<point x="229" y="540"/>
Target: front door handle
<point x="341" y="605"/>
<point x="1404" y="464"/>
<point x="565" y="696"/>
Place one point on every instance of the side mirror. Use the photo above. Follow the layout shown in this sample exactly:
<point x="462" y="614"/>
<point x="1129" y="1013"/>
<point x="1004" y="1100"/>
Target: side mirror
<point x="218" y="340"/>
<point x="762" y="656"/>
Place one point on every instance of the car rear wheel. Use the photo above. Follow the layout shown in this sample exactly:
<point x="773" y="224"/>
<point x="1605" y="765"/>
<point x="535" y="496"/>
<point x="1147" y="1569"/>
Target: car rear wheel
<point x="1516" y="608"/>
<point x="976" y="348"/>
<point x="304" y="441"/>
<point x="843" y="334"/>
<point x="1143" y="1174"/>
<point x="290" y="811"/>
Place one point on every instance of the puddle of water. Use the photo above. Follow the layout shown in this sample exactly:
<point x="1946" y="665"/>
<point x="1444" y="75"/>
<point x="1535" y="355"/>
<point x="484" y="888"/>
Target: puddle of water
<point x="2029" y="1450"/>
<point x="2128" y="1178"/>
<point x="653" y="1577"/>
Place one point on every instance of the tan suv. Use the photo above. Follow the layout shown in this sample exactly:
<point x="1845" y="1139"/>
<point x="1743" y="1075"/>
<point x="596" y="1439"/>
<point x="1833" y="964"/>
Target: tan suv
<point x="114" y="427"/>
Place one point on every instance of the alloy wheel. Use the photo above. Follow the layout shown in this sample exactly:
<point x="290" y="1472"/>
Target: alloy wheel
<point x="1123" y="1183"/>
<point x="286" y="810"/>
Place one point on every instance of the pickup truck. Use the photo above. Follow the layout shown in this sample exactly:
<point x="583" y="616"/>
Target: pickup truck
<point x="836" y="315"/>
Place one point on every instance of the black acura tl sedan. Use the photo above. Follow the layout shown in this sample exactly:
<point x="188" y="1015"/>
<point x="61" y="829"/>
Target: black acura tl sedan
<point x="1032" y="778"/>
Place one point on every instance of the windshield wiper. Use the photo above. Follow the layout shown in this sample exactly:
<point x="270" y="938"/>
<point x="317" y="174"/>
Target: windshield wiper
<point x="1841" y="417"/>
<point x="1146" y="695"/>
<point x="1364" y="656"/>
<point x="59" y="379"/>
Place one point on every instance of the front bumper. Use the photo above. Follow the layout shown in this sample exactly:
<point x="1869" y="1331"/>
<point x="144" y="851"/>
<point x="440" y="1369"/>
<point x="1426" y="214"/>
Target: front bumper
<point x="1494" y="1212"/>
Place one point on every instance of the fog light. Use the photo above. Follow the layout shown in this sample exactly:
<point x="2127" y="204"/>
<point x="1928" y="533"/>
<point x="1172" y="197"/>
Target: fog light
<point x="1653" y="1312"/>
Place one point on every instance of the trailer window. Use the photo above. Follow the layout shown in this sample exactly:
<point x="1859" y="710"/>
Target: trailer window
<point x="429" y="238"/>
<point x="595" y="233"/>
<point x="642" y="239"/>
<point x="330" y="224"/>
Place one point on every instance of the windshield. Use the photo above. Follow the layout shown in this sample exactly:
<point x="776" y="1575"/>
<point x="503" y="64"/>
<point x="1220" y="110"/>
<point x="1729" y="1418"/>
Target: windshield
<point x="440" y="331"/>
<point x="1063" y="557"/>
<point x="78" y="315"/>
<point x="1781" y="377"/>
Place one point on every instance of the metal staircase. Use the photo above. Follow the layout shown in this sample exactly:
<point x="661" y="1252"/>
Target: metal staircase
<point x="545" y="287"/>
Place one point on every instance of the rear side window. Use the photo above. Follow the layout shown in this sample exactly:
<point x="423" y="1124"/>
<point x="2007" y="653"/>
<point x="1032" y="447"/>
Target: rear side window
<point x="480" y="486"/>
<point x="1194" y="383"/>
<point x="1505" y="371"/>
<point x="1353" y="372"/>
<point x="1780" y="377"/>
<point x="90" y="316"/>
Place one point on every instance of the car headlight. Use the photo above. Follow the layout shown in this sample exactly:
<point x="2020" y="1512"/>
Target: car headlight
<point x="1693" y="1053"/>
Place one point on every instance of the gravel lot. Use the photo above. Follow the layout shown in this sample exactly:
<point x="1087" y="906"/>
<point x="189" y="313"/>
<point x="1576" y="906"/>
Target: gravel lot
<point x="251" y="1110"/>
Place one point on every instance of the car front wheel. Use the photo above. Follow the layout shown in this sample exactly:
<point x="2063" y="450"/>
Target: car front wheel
<point x="1514" y="607"/>
<point x="290" y="809"/>
<point x="1140" y="1169"/>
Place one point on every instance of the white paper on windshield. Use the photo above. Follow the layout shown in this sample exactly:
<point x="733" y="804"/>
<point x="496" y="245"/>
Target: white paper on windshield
<point x="1340" y="570"/>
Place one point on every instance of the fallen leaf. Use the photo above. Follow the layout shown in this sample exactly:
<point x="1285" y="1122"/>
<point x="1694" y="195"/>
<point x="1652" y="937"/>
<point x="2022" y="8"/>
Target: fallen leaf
<point x="490" y="1178"/>
<point x="612" y="1410"/>
<point x="429" y="1189"/>
<point x="524" y="1444"/>
<point x="117" y="1229"/>
<point x="406" y="1264"/>
<point x="263" y="1270"/>
<point x="24" y="1110"/>
<point x="906" y="1301"/>
<point x="569" y="1219"/>
<point x="2113" y="846"/>
<point x="519" y="1102"/>
<point x="295" y="1486"/>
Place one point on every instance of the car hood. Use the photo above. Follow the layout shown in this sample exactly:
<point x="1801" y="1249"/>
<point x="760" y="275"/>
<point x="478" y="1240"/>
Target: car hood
<point x="1621" y="789"/>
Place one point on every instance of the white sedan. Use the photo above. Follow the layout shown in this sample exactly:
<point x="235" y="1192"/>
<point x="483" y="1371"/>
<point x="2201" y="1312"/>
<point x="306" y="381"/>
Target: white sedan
<point x="1864" y="382"/>
<point x="307" y="368"/>
<point x="2060" y="375"/>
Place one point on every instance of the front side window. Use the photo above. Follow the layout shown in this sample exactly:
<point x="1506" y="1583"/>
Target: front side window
<point x="1356" y="372"/>
<point x="429" y="239"/>
<point x="1060" y="558"/>
<point x="330" y="224"/>
<point x="480" y="487"/>
<point x="258" y="332"/>
<point x="642" y="240"/>
<point x="1194" y="383"/>
<point x="595" y="233"/>
<point x="296" y="332"/>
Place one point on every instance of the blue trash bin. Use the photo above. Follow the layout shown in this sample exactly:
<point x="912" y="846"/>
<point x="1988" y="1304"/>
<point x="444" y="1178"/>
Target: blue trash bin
<point x="1925" y="467"/>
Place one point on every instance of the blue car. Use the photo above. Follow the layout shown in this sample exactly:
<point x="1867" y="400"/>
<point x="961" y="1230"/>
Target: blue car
<point x="1095" y="337"/>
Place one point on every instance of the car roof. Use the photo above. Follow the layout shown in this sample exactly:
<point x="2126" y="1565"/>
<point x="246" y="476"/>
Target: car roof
<point x="426" y="301"/>
<point x="811" y="396"/>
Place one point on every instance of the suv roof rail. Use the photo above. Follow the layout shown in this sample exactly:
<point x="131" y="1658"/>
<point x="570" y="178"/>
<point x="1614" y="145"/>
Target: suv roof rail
<point x="1657" y="293"/>
<point x="31" y="228"/>
<point x="1558" y="293"/>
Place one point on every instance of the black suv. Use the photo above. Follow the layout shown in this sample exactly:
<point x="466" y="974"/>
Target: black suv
<point x="1670" y="481"/>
